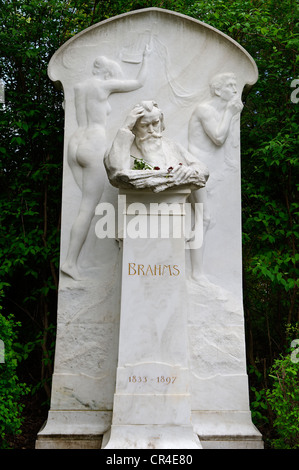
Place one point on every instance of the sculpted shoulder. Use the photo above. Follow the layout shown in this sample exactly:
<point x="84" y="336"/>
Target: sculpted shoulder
<point x="203" y="111"/>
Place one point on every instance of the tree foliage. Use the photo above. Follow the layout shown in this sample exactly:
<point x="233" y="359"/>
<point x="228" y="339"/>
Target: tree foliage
<point x="11" y="390"/>
<point x="283" y="395"/>
<point x="31" y="166"/>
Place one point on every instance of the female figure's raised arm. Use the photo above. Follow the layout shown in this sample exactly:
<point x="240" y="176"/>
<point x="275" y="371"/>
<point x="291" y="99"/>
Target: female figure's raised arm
<point x="121" y="86"/>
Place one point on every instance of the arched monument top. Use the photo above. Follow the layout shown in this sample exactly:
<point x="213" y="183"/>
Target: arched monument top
<point x="154" y="14"/>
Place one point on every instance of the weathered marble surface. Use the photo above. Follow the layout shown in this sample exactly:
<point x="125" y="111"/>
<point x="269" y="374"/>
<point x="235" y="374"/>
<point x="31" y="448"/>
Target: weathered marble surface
<point x="180" y="56"/>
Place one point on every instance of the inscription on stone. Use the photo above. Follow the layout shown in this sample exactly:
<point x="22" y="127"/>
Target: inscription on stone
<point x="153" y="270"/>
<point x="160" y="379"/>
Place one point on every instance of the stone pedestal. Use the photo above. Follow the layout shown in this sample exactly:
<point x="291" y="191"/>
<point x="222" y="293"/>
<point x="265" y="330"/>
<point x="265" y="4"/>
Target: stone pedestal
<point x="152" y="406"/>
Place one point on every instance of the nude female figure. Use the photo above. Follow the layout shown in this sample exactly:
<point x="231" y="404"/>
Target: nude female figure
<point x="87" y="146"/>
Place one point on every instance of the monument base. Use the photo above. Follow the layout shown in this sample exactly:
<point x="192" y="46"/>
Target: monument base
<point x="150" y="437"/>
<point x="71" y="442"/>
<point x="68" y="429"/>
<point x="105" y="442"/>
<point x="88" y="430"/>
<point x="232" y="442"/>
<point x="226" y="430"/>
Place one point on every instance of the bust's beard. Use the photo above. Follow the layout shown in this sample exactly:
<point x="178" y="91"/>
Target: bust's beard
<point x="149" y="145"/>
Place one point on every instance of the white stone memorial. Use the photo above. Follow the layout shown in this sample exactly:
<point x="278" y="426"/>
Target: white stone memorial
<point x="150" y="349"/>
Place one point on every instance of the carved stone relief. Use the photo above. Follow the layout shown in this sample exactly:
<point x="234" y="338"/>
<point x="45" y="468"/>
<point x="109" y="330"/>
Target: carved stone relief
<point x="168" y="163"/>
<point x="212" y="120"/>
<point x="88" y="144"/>
<point x="209" y="127"/>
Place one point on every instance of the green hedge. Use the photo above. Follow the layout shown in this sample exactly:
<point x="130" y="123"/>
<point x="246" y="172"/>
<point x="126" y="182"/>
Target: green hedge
<point x="11" y="390"/>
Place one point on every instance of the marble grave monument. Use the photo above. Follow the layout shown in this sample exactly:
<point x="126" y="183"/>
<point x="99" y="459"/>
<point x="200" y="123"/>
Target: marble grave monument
<point x="150" y="349"/>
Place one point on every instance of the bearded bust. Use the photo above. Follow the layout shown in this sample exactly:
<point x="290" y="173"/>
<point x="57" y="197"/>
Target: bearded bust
<point x="166" y="163"/>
